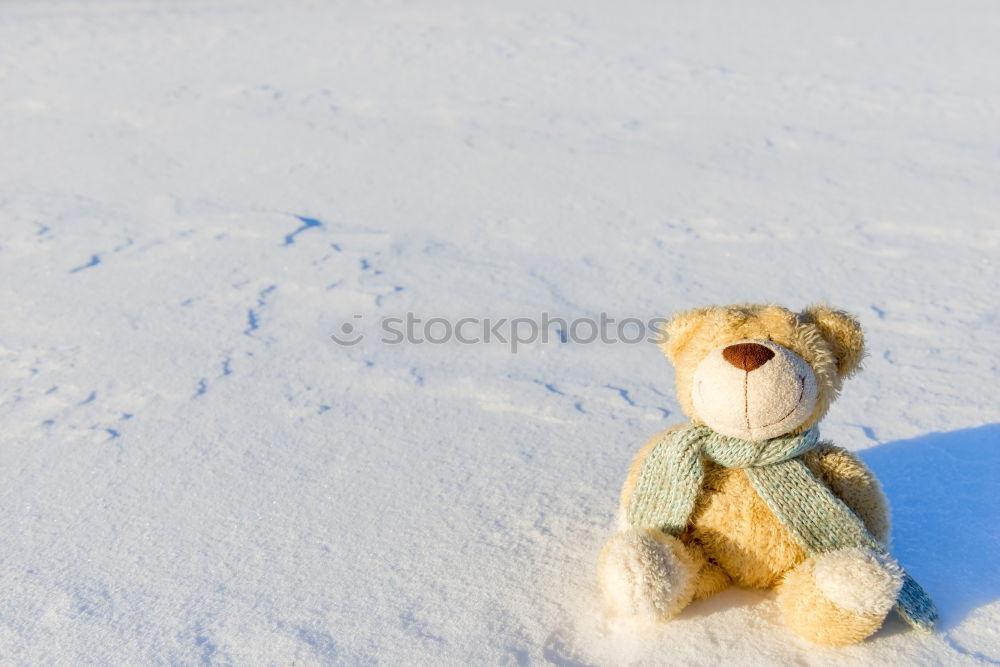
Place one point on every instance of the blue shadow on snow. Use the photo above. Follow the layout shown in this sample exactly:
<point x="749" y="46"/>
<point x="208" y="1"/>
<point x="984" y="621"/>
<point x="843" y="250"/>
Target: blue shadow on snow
<point x="944" y="490"/>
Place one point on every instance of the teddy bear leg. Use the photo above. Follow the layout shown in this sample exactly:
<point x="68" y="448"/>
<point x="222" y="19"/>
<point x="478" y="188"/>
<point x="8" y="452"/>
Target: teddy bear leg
<point x="647" y="575"/>
<point x="840" y="597"/>
<point x="711" y="578"/>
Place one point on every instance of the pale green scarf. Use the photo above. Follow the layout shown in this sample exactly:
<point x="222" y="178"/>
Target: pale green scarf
<point x="673" y="471"/>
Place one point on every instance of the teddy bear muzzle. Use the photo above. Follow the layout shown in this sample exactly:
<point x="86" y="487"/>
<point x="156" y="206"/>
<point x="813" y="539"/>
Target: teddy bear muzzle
<point x="754" y="389"/>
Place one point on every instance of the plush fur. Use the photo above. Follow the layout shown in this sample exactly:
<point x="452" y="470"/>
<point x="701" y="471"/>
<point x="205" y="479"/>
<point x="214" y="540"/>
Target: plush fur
<point x="647" y="574"/>
<point x="811" y="614"/>
<point x="829" y="340"/>
<point x="733" y="537"/>
<point x="768" y="400"/>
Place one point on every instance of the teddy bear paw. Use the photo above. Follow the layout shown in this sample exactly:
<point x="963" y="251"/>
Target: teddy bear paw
<point x="859" y="580"/>
<point x="646" y="574"/>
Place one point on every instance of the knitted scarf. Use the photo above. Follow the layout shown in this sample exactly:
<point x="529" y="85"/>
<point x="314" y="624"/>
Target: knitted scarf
<point x="673" y="471"/>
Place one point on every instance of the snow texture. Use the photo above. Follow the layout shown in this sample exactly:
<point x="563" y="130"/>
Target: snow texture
<point x="194" y="196"/>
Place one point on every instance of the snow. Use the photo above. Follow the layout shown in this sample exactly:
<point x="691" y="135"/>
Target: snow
<point x="197" y="195"/>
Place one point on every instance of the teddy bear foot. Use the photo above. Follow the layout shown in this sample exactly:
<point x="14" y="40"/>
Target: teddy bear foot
<point x="646" y="575"/>
<point x="841" y="597"/>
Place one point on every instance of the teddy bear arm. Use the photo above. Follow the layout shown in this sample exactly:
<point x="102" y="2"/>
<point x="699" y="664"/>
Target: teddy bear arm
<point x="851" y="481"/>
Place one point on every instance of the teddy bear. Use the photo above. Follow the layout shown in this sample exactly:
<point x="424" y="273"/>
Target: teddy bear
<point x="747" y="494"/>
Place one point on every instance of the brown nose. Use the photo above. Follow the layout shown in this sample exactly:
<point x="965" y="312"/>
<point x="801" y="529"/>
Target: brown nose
<point x="747" y="356"/>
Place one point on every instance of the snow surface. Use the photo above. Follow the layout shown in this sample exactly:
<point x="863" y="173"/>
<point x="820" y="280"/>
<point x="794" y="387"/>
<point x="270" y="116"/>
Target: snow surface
<point x="194" y="196"/>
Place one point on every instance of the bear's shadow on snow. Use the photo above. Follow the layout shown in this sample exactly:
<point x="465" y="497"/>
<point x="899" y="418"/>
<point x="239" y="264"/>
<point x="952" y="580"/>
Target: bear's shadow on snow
<point x="944" y="490"/>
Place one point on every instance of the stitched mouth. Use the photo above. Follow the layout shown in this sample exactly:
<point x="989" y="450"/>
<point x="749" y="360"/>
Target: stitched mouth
<point x="747" y="426"/>
<point x="802" y="392"/>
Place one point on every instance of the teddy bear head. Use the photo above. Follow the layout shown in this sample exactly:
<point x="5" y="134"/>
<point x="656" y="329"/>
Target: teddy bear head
<point x="760" y="371"/>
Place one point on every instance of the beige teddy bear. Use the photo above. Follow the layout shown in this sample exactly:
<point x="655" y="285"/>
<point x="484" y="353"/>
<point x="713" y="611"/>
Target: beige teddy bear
<point x="746" y="494"/>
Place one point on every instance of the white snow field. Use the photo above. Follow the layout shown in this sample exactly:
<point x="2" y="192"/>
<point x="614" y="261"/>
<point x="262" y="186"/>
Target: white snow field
<point x="194" y="196"/>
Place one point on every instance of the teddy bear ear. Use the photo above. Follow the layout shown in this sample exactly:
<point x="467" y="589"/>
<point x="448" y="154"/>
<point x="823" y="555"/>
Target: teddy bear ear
<point x="843" y="333"/>
<point x="675" y="332"/>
